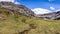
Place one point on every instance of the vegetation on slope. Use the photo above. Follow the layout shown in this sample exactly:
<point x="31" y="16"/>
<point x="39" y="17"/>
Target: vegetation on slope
<point x="20" y="24"/>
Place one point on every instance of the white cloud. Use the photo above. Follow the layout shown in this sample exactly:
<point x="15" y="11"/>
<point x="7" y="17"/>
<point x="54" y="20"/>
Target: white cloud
<point x="17" y="3"/>
<point x="52" y="8"/>
<point x="8" y="0"/>
<point x="51" y="0"/>
<point x="41" y="11"/>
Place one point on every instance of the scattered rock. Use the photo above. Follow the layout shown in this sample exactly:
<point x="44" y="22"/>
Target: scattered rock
<point x="32" y="26"/>
<point x="57" y="33"/>
<point x="24" y="32"/>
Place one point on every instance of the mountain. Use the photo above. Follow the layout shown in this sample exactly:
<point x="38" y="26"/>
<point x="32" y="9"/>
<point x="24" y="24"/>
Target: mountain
<point x="46" y="14"/>
<point x="16" y="7"/>
<point x="52" y="16"/>
<point x="41" y="11"/>
<point x="13" y="23"/>
<point x="37" y="12"/>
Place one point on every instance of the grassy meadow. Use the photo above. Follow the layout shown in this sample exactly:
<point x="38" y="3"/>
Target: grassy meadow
<point x="20" y="24"/>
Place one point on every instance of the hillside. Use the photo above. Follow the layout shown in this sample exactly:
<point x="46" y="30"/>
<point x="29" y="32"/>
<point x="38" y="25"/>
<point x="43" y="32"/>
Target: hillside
<point x="20" y="24"/>
<point x="14" y="22"/>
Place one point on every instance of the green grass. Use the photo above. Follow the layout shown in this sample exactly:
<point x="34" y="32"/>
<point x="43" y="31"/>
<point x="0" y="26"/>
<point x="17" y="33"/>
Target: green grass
<point x="15" y="25"/>
<point x="19" y="23"/>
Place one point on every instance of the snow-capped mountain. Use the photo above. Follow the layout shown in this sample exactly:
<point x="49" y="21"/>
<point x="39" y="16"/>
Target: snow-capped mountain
<point x="46" y="14"/>
<point x="41" y="11"/>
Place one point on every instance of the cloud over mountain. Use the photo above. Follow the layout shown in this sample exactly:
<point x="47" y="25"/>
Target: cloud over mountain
<point x="40" y="11"/>
<point x="17" y="3"/>
<point x="52" y="8"/>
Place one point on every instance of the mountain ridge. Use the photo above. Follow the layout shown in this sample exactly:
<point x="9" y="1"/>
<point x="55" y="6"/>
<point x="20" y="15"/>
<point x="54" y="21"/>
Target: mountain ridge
<point x="21" y="9"/>
<point x="17" y="7"/>
<point x="46" y="14"/>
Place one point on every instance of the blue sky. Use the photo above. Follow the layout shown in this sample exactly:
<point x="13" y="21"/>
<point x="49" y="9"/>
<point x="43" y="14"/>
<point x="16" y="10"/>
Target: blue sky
<point x="46" y="4"/>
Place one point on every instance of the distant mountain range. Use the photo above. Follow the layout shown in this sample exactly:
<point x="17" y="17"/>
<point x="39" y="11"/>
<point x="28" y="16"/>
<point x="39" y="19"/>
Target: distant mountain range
<point x="45" y="14"/>
<point x="41" y="11"/>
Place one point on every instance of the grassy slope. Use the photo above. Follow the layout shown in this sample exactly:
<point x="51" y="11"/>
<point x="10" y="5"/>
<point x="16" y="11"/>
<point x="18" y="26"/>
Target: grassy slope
<point x="18" y="23"/>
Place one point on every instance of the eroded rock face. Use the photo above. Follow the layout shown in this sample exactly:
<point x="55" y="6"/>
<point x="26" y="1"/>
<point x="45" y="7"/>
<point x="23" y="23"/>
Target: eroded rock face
<point x="19" y="8"/>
